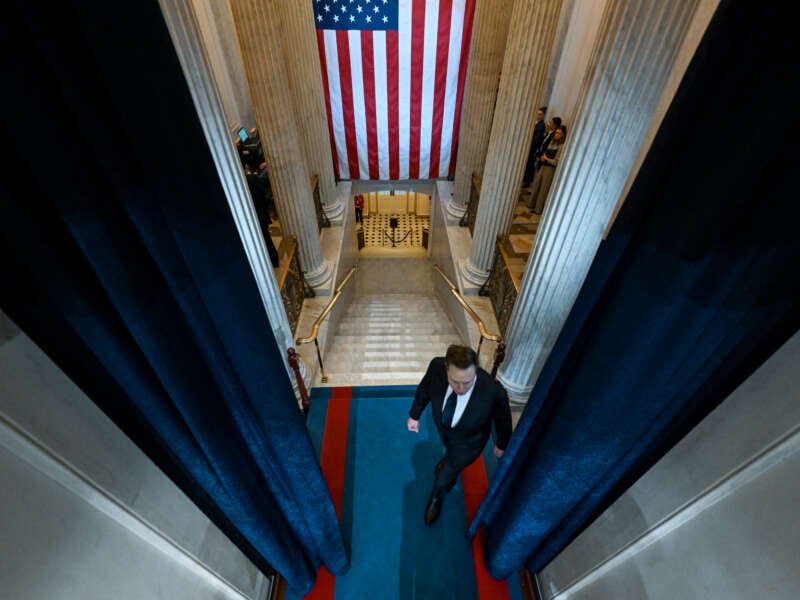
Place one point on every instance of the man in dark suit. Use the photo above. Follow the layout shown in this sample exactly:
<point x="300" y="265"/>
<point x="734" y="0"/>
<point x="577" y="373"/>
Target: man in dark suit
<point x="465" y="401"/>
<point x="538" y="138"/>
<point x="258" y="190"/>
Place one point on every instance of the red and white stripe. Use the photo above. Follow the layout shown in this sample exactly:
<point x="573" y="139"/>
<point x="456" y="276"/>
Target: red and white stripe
<point x="393" y="98"/>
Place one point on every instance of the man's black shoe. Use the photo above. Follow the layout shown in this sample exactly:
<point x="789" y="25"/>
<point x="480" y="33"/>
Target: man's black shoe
<point x="433" y="509"/>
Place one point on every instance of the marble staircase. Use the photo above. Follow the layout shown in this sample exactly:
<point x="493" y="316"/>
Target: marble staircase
<point x="388" y="339"/>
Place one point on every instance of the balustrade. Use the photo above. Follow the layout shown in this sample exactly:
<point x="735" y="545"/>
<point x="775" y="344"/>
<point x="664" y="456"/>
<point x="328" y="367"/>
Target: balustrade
<point x="292" y="282"/>
<point x="468" y="220"/>
<point x="503" y="285"/>
<point x="322" y="218"/>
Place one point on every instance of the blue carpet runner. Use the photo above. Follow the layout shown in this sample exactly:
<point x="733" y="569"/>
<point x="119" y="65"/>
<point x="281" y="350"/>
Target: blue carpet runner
<point x="380" y="476"/>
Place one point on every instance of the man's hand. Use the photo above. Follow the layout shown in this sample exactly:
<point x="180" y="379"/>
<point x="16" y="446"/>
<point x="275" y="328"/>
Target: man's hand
<point x="497" y="452"/>
<point x="413" y="425"/>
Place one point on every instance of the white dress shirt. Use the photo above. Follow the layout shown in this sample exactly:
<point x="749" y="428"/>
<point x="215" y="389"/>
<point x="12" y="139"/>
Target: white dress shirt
<point x="461" y="403"/>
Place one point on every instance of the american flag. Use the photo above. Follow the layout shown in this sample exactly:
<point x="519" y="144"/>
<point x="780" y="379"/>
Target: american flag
<point x="393" y="73"/>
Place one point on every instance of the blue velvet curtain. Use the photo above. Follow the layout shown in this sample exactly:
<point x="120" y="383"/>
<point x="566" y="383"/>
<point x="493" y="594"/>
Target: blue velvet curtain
<point x="694" y="287"/>
<point x="121" y="260"/>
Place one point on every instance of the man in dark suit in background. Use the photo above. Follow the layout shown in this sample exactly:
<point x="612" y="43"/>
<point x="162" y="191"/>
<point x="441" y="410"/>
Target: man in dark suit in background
<point x="257" y="189"/>
<point x="536" y="142"/>
<point x="465" y="401"/>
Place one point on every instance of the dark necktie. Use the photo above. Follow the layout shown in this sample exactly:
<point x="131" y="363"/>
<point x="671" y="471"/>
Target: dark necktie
<point x="449" y="410"/>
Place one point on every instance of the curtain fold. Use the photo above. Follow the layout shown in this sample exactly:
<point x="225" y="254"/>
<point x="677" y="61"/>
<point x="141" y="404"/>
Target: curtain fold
<point x="125" y="266"/>
<point x="693" y="289"/>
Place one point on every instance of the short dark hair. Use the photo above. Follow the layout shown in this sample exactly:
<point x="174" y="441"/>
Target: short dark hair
<point x="543" y="109"/>
<point x="557" y="121"/>
<point x="461" y="357"/>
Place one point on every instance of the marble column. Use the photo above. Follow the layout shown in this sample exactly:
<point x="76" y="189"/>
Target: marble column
<point x="185" y="33"/>
<point x="530" y="39"/>
<point x="489" y="34"/>
<point x="258" y="26"/>
<point x="635" y="53"/>
<point x="219" y="39"/>
<point x="300" y="42"/>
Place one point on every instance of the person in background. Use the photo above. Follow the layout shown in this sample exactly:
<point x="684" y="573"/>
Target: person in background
<point x="538" y="137"/>
<point x="465" y="402"/>
<point x="546" y="170"/>
<point x="359" y="204"/>
<point x="261" y="204"/>
<point x="552" y="125"/>
<point x="251" y="153"/>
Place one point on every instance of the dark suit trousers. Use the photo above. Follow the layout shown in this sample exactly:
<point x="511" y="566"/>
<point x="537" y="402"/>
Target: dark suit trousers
<point x="456" y="458"/>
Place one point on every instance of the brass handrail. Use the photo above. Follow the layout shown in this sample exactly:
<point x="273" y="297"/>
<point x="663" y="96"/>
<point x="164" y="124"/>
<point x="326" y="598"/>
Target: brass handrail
<point x="494" y="337"/>
<point x="315" y="328"/>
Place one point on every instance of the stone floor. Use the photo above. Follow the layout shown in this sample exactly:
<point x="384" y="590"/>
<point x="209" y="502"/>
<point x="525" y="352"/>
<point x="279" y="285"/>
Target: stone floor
<point x="408" y="234"/>
<point x="378" y="231"/>
<point x="522" y="234"/>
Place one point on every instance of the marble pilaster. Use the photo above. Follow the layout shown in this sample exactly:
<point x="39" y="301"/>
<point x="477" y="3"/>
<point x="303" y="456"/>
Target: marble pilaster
<point x="183" y="28"/>
<point x="637" y="48"/>
<point x="258" y="25"/>
<point x="530" y="38"/>
<point x="489" y="34"/>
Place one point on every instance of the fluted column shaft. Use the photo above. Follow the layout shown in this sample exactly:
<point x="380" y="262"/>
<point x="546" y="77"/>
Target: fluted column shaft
<point x="259" y="30"/>
<point x="489" y="34"/>
<point x="305" y="77"/>
<point x="530" y="39"/>
<point x="631" y="63"/>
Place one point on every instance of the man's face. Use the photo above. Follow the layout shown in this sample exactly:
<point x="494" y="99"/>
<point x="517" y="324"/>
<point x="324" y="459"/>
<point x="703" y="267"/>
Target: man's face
<point x="539" y="115"/>
<point x="461" y="380"/>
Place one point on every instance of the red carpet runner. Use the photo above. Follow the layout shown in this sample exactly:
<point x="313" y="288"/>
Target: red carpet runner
<point x="333" y="460"/>
<point x="475" y="484"/>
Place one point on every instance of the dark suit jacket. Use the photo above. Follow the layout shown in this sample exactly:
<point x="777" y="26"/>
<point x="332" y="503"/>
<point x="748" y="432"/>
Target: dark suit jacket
<point x="488" y="405"/>
<point x="548" y="137"/>
<point x="538" y="135"/>
<point x="536" y="142"/>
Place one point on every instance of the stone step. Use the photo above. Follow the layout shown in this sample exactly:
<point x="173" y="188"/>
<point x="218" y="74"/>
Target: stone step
<point x="398" y="318"/>
<point x="388" y="339"/>
<point x="387" y="367"/>
<point x="355" y="379"/>
<point x="393" y="310"/>
<point x="409" y="317"/>
<point x="391" y="329"/>
<point x="386" y="351"/>
<point x="382" y="302"/>
<point x="430" y="314"/>
<point x="357" y="345"/>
